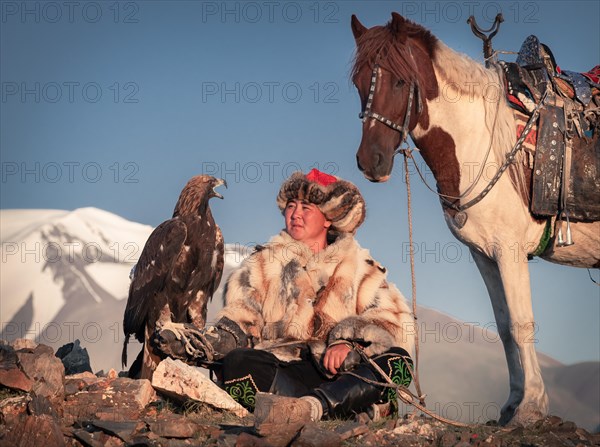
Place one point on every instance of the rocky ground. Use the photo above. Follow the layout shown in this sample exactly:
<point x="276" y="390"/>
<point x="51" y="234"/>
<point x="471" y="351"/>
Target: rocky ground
<point x="42" y="404"/>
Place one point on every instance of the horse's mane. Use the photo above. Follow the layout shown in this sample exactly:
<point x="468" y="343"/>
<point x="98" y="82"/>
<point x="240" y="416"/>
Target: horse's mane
<point x="461" y="74"/>
<point x="386" y="46"/>
<point x="390" y="48"/>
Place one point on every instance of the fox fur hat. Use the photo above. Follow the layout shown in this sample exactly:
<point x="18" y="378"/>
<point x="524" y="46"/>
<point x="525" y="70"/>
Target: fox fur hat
<point x="340" y="201"/>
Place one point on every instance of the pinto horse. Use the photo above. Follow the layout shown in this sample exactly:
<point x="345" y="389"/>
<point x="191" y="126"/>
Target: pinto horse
<point x="400" y="71"/>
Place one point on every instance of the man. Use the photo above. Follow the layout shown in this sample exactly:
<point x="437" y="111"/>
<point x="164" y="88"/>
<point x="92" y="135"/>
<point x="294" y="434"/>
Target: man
<point x="302" y="309"/>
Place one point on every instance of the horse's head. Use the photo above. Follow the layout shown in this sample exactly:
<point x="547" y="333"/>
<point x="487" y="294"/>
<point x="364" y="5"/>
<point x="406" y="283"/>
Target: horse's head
<point x="387" y="74"/>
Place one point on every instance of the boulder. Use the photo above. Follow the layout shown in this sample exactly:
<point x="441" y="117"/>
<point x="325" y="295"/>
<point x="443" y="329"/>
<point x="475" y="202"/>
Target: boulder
<point x="183" y="382"/>
<point x="118" y="399"/>
<point x="124" y="430"/>
<point x="78" y="382"/>
<point x="172" y="425"/>
<point x="11" y="375"/>
<point x="44" y="369"/>
<point x="74" y="358"/>
<point x="34" y="431"/>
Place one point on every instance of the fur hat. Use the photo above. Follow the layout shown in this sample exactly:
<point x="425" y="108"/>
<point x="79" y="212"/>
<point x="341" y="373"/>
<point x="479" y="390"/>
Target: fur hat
<point x="340" y="201"/>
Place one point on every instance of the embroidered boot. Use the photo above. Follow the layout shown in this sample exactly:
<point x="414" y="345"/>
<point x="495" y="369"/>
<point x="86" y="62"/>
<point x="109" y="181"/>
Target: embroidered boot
<point x="273" y="410"/>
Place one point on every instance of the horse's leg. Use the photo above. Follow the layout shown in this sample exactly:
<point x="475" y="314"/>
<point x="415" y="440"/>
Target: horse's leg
<point x="493" y="281"/>
<point x="514" y="271"/>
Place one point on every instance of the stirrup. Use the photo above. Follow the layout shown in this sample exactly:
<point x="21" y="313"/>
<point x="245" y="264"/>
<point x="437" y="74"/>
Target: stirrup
<point x="560" y="241"/>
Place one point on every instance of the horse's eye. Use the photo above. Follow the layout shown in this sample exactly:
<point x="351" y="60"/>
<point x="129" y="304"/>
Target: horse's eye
<point x="400" y="83"/>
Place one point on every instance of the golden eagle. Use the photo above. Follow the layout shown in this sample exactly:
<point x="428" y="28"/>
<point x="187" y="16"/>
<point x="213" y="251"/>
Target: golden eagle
<point x="177" y="273"/>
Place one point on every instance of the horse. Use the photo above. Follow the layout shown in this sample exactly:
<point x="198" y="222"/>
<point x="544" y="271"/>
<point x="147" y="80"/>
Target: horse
<point x="401" y="71"/>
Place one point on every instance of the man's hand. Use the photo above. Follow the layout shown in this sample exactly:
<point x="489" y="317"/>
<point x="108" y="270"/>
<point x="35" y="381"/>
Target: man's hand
<point x="335" y="356"/>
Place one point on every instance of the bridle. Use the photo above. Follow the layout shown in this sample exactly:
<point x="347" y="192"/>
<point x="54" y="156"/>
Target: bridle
<point x="403" y="129"/>
<point x="447" y="200"/>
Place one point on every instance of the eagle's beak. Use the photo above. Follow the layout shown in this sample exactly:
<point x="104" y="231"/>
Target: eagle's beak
<point x="220" y="182"/>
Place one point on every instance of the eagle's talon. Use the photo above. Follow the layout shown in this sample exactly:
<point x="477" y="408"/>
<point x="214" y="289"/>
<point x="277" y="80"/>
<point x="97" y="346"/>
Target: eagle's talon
<point x="185" y="343"/>
<point x="167" y="342"/>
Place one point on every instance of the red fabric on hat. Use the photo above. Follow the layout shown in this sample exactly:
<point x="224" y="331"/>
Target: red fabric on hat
<point x="320" y="177"/>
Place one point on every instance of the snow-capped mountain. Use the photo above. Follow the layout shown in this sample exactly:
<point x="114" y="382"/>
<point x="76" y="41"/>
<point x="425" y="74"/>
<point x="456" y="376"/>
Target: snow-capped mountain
<point x="65" y="276"/>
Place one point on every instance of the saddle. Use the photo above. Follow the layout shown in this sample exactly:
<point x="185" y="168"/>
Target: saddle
<point x="565" y="152"/>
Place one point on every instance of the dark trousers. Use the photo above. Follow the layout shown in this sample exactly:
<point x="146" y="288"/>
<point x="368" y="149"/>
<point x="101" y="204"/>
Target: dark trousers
<point x="246" y="371"/>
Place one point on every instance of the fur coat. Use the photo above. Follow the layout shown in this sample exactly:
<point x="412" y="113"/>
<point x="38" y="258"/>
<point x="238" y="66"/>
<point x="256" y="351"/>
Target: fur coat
<point x="284" y="293"/>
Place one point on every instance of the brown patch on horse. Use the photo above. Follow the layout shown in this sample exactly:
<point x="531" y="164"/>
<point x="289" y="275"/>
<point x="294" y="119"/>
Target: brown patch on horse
<point x="439" y="152"/>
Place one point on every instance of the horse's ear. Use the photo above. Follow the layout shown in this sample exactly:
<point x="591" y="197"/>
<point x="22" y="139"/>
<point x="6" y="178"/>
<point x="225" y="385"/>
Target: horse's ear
<point x="398" y="24"/>
<point x="358" y="28"/>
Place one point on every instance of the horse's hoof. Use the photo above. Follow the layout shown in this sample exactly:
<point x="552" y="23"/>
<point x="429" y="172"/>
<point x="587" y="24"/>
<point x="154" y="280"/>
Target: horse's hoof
<point x="524" y="416"/>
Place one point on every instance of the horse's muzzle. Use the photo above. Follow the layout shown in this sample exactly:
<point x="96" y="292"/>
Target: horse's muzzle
<point x="375" y="166"/>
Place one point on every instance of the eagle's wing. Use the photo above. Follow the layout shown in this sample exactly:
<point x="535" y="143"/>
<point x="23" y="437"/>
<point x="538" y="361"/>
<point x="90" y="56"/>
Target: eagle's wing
<point x="152" y="272"/>
<point x="207" y="270"/>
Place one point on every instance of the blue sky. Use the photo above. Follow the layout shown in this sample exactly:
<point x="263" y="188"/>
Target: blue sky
<point x="117" y="104"/>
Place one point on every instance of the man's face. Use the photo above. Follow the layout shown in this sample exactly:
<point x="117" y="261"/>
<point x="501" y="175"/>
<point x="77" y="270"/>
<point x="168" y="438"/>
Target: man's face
<point x="305" y="222"/>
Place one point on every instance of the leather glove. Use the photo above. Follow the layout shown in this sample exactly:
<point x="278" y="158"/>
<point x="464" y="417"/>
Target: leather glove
<point x="194" y="346"/>
<point x="352" y="360"/>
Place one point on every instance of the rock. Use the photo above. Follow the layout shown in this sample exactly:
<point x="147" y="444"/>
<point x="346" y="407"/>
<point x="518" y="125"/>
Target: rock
<point x="84" y="376"/>
<point x="44" y="369"/>
<point x="39" y="405"/>
<point x="15" y="379"/>
<point x="124" y="430"/>
<point x="111" y="374"/>
<point x="34" y="431"/>
<point x="117" y="400"/>
<point x="78" y="382"/>
<point x="248" y="440"/>
<point x="390" y="424"/>
<point x="74" y="358"/>
<point x="12" y="408"/>
<point x="362" y="418"/>
<point x="417" y="427"/>
<point x="313" y="436"/>
<point x="183" y="382"/>
<point x="97" y="439"/>
<point x="210" y="431"/>
<point x="350" y="430"/>
<point x="24" y="343"/>
<point x="448" y="439"/>
<point x="370" y="439"/>
<point x="173" y="426"/>
<point x="10" y="374"/>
